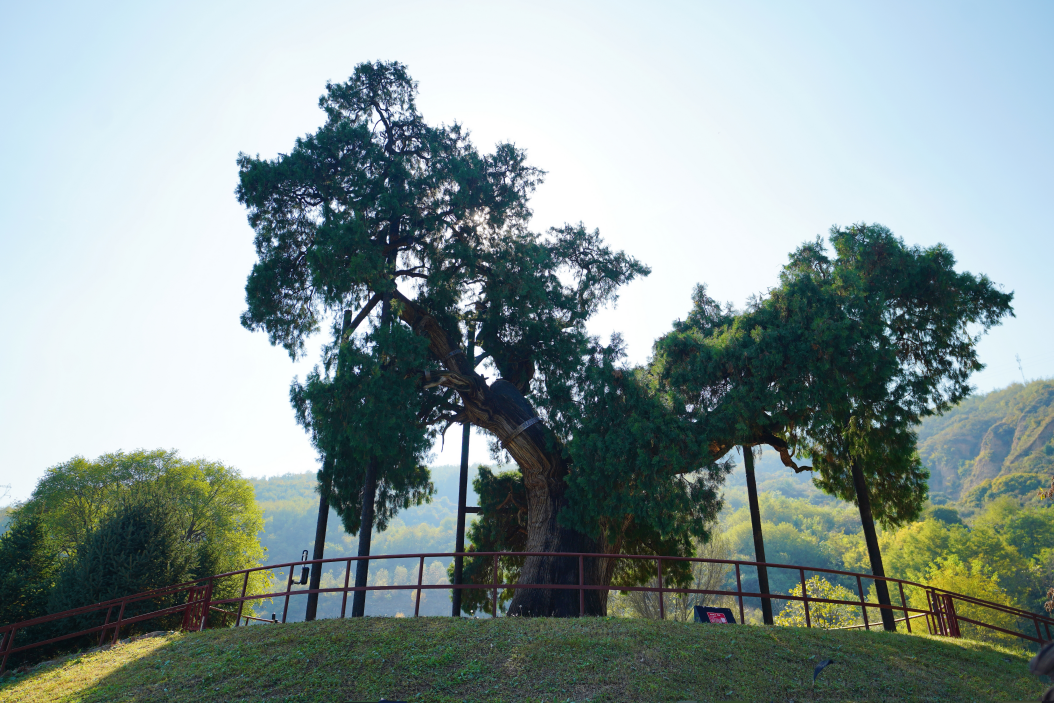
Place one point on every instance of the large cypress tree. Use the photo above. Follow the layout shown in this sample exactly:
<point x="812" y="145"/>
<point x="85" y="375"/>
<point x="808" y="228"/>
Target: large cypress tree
<point x="379" y="208"/>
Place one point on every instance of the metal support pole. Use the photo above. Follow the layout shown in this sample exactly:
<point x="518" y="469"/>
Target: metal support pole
<point x="102" y="632"/>
<point x="739" y="590"/>
<point x="420" y="577"/>
<point x="495" y="613"/>
<point x="662" y="605"/>
<point x="904" y="602"/>
<point x="805" y="598"/>
<point x="582" y="591"/>
<point x="344" y="600"/>
<point x="117" y="627"/>
<point x="462" y="493"/>
<point x="6" y="645"/>
<point x="288" y="588"/>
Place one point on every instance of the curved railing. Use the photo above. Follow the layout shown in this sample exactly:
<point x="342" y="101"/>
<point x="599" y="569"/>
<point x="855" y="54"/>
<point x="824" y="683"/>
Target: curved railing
<point x="941" y="612"/>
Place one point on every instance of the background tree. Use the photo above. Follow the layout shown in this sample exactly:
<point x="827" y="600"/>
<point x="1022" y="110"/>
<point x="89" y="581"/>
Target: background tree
<point x="27" y="570"/>
<point x="839" y="363"/>
<point x="213" y="505"/>
<point x="139" y="547"/>
<point x="379" y="207"/>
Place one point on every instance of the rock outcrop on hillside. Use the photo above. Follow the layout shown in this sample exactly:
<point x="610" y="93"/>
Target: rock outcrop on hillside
<point x="971" y="450"/>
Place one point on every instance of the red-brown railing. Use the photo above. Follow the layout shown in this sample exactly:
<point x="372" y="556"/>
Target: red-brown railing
<point x="940" y="612"/>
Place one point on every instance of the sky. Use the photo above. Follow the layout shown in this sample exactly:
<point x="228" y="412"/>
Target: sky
<point x="706" y="139"/>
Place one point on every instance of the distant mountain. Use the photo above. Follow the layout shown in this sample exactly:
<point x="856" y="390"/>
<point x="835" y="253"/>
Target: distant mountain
<point x="996" y="443"/>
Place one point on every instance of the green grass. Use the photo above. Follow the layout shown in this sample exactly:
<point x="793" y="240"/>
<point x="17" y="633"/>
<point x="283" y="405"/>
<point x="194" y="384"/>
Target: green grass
<point x="518" y="659"/>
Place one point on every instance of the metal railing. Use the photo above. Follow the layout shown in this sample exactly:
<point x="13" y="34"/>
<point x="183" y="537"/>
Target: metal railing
<point x="942" y="617"/>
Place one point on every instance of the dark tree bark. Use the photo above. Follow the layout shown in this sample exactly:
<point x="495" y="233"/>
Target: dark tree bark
<point x="759" y="540"/>
<point x="863" y="499"/>
<point x="319" y="551"/>
<point x="369" y="496"/>
<point x="501" y="409"/>
<point x="362" y="566"/>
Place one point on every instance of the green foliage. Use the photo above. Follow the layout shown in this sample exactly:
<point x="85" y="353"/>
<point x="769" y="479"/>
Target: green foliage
<point x="1023" y="487"/>
<point x="503" y="527"/>
<point x="1012" y="546"/>
<point x="27" y="570"/>
<point x="637" y="464"/>
<point x="140" y="546"/>
<point x="213" y="507"/>
<point x="972" y="578"/>
<point x="378" y="205"/>
<point x="988" y="438"/>
<point x="840" y="361"/>
<point x="945" y="514"/>
<point x="367" y="413"/>
<point x="828" y="616"/>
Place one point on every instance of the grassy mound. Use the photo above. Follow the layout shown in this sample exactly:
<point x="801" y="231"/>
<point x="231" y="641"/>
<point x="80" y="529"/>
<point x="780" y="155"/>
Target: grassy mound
<point x="516" y="659"/>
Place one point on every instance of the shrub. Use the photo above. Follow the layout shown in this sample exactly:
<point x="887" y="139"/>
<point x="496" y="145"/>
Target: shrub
<point x="139" y="548"/>
<point x="828" y="616"/>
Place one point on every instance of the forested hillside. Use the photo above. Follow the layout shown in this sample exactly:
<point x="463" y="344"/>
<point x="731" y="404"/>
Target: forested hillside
<point x="993" y="444"/>
<point x="290" y="507"/>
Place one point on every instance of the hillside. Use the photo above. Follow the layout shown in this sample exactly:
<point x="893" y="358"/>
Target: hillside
<point x="996" y="443"/>
<point x="290" y="507"/>
<point x="518" y="659"/>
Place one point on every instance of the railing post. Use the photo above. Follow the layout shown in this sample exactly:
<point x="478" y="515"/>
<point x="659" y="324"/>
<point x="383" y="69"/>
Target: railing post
<point x="117" y="627"/>
<point x="863" y="607"/>
<point x="241" y="603"/>
<point x="420" y="577"/>
<point x="582" y="592"/>
<point x="288" y="589"/>
<point x="739" y="590"/>
<point x="805" y="598"/>
<point x="938" y="616"/>
<point x="495" y="612"/>
<point x="1039" y="635"/>
<point x="953" y="620"/>
<point x="205" y="606"/>
<point x="662" y="604"/>
<point x="904" y="602"/>
<point x="102" y="632"/>
<point x="344" y="600"/>
<point x="6" y="645"/>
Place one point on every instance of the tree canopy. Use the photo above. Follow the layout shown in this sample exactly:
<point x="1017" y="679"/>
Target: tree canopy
<point x="844" y="357"/>
<point x="214" y="507"/>
<point x="382" y="221"/>
<point x="378" y="207"/>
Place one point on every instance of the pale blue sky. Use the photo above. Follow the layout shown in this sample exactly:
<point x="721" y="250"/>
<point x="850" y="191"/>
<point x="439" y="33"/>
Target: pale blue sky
<point x="708" y="139"/>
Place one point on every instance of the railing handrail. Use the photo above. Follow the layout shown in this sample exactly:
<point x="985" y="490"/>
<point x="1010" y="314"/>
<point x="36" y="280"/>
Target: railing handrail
<point x="940" y="602"/>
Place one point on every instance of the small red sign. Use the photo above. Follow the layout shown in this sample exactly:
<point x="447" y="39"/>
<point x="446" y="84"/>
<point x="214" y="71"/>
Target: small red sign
<point x="717" y="617"/>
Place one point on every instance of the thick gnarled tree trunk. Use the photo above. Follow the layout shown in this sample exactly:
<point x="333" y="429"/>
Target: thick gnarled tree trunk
<point x="501" y="409"/>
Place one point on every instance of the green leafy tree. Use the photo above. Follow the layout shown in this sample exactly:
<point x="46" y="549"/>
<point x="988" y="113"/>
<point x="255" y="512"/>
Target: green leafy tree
<point x="840" y="363"/>
<point x="379" y="208"/>
<point x="213" y="505"/>
<point x="828" y="616"/>
<point x="139" y="547"/>
<point x="976" y="579"/>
